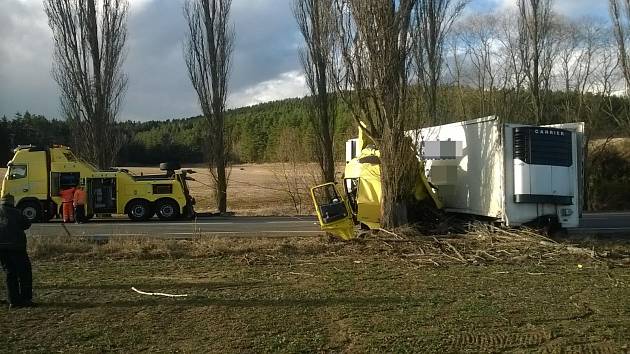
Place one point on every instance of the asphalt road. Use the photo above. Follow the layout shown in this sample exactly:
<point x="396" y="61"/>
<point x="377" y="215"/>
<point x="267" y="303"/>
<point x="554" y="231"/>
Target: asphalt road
<point x="605" y="222"/>
<point x="279" y="226"/>
<point x="243" y="225"/>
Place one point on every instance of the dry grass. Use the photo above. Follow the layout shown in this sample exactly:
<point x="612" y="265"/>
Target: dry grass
<point x="254" y="189"/>
<point x="482" y="245"/>
<point x="380" y="294"/>
<point x="620" y="144"/>
<point x="202" y="246"/>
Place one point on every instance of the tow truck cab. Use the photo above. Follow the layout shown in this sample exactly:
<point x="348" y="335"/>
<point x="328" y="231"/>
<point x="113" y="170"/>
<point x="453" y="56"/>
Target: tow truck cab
<point x="35" y="176"/>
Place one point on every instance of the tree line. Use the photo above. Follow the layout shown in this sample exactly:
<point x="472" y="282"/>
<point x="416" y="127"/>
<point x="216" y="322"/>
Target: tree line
<point x="256" y="132"/>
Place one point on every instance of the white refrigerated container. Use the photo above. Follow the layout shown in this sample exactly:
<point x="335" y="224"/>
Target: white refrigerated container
<point x="512" y="173"/>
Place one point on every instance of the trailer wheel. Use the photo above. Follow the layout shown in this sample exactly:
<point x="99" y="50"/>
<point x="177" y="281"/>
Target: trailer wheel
<point x="167" y="210"/>
<point x="31" y="210"/>
<point x="139" y="210"/>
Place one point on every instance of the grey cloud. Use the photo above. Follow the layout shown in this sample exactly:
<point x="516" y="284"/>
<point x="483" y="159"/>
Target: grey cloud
<point x="25" y="50"/>
<point x="265" y="50"/>
<point x="579" y="8"/>
<point x="266" y="41"/>
<point x="158" y="83"/>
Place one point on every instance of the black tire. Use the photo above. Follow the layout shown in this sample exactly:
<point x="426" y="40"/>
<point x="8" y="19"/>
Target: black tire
<point x="167" y="210"/>
<point x="32" y="210"/>
<point x="170" y="166"/>
<point x="139" y="210"/>
<point x="52" y="211"/>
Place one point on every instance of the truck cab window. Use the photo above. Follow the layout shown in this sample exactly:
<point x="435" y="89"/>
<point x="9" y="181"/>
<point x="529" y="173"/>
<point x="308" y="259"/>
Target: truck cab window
<point x="330" y="204"/>
<point x="17" y="172"/>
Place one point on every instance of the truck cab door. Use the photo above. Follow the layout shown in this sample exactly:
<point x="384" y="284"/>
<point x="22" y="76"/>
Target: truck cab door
<point x="333" y="211"/>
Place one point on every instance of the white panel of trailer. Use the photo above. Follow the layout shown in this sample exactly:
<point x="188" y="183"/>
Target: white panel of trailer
<point x="475" y="185"/>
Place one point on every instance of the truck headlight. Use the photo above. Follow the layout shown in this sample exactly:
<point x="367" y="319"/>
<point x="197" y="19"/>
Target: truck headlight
<point x="566" y="212"/>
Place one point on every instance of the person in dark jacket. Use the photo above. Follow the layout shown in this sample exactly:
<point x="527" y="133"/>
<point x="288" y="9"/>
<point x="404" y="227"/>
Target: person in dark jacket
<point x="13" y="255"/>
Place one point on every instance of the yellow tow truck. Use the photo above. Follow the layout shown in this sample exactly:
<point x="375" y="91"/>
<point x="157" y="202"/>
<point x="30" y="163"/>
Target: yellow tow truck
<point x="35" y="176"/>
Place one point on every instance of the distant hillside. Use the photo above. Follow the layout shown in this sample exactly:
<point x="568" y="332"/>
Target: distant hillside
<point x="256" y="132"/>
<point x="264" y="132"/>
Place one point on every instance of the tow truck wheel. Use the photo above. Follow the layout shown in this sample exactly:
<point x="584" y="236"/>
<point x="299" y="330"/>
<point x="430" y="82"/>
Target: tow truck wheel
<point x="139" y="210"/>
<point x="51" y="211"/>
<point x="31" y="210"/>
<point x="167" y="210"/>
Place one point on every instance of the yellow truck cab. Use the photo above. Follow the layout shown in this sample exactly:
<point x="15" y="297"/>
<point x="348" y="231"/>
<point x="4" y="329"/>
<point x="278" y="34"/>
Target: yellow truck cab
<point x="360" y="203"/>
<point x="35" y="176"/>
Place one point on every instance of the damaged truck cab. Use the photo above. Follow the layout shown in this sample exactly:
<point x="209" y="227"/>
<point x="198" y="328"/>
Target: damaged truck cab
<point x="360" y="202"/>
<point x="35" y="177"/>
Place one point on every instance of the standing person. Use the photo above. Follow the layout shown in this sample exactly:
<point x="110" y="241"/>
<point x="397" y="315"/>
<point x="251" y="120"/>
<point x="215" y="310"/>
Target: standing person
<point x="13" y="255"/>
<point x="79" y="204"/>
<point x="67" y="201"/>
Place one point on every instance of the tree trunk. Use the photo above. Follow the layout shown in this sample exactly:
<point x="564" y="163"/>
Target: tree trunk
<point x="326" y="136"/>
<point x="221" y="187"/>
<point x="398" y="176"/>
<point x="328" y="161"/>
<point x="220" y="160"/>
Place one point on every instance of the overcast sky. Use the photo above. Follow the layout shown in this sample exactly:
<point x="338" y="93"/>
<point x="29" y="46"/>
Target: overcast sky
<point x="265" y="65"/>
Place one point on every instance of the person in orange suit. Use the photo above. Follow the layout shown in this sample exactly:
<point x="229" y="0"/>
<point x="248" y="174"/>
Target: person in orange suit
<point x="67" y="199"/>
<point x="79" y="204"/>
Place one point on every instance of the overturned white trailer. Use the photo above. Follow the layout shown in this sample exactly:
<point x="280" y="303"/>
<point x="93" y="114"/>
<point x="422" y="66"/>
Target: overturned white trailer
<point x="512" y="173"/>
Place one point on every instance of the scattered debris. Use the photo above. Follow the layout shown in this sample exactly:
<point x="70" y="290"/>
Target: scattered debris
<point x="157" y="294"/>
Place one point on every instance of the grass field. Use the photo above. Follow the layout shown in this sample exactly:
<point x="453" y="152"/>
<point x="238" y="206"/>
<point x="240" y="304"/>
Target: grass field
<point x="315" y="295"/>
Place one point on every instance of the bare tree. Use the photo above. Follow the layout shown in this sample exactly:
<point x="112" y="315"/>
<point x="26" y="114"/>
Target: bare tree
<point x="89" y="41"/>
<point x="513" y="75"/>
<point x="433" y="19"/>
<point x="536" y="50"/>
<point x="374" y="42"/>
<point x="293" y="175"/>
<point x="316" y="25"/>
<point x="579" y="48"/>
<point x="207" y="52"/>
<point x="480" y="35"/>
<point x="457" y="52"/>
<point x="620" y="13"/>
